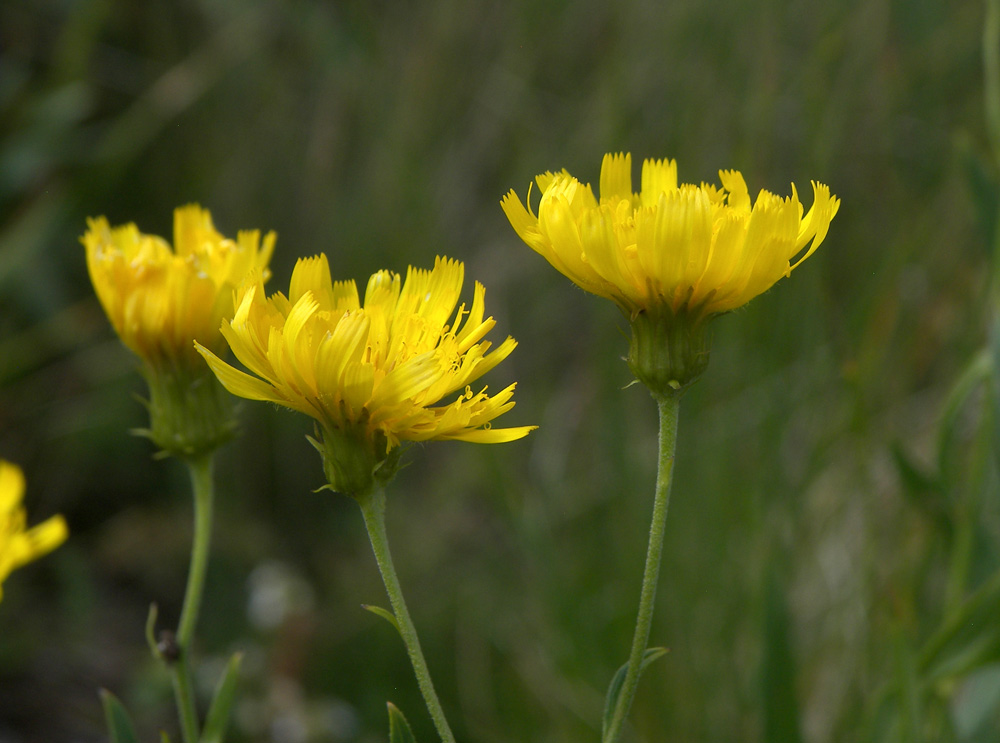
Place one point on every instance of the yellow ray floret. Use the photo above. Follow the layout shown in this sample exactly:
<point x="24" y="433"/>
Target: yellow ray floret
<point x="19" y="545"/>
<point x="699" y="250"/>
<point x="159" y="299"/>
<point x="385" y="365"/>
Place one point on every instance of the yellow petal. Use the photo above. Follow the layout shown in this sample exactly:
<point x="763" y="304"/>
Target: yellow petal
<point x="240" y="383"/>
<point x="658" y="176"/>
<point x="616" y="178"/>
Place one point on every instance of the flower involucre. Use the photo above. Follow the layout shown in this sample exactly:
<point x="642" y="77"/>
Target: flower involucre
<point x="19" y="545"/>
<point x="380" y="369"/>
<point x="694" y="250"/>
<point x="161" y="300"/>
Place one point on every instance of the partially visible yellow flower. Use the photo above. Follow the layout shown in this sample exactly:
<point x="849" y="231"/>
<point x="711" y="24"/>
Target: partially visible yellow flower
<point x="670" y="255"/>
<point x="160" y="300"/>
<point x="19" y="545"/>
<point x="373" y="375"/>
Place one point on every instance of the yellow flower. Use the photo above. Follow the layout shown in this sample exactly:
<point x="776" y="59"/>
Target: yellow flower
<point x="18" y="545"/>
<point x="676" y="254"/>
<point x="697" y="249"/>
<point x="161" y="300"/>
<point x="373" y="375"/>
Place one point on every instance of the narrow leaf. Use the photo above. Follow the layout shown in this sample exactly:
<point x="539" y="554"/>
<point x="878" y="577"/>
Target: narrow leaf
<point x="151" y="631"/>
<point x="977" y="371"/>
<point x="119" y="723"/>
<point x="399" y="729"/>
<point x="777" y="666"/>
<point x="908" y="686"/>
<point x="923" y="489"/>
<point x="969" y="636"/>
<point x="222" y="702"/>
<point x="384" y="613"/>
<point x="615" y="688"/>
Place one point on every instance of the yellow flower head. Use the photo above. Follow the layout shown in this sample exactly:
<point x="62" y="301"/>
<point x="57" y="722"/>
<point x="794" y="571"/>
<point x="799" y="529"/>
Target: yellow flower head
<point x="694" y="250"/>
<point x="375" y="372"/>
<point x="161" y="300"/>
<point x="17" y="544"/>
<point x="672" y="255"/>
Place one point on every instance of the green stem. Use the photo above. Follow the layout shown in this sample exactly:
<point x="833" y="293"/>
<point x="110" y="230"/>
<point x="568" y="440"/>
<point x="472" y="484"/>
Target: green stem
<point x="202" y="484"/>
<point x="204" y="496"/>
<point x="373" y="507"/>
<point x="668" y="406"/>
<point x="184" y="693"/>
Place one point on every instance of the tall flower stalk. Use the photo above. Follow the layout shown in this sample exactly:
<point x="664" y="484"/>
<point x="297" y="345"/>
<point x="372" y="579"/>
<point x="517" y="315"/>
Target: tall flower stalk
<point x="161" y="300"/>
<point x="396" y="369"/>
<point x="671" y="256"/>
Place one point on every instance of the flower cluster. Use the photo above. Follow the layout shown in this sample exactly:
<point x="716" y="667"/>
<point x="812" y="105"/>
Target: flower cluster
<point x="18" y="544"/>
<point x="376" y="373"/>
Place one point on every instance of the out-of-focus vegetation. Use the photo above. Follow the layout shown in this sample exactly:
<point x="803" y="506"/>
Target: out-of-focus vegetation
<point x="836" y="494"/>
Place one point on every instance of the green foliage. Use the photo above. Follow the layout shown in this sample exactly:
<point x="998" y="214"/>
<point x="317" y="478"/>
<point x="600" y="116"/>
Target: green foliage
<point x="222" y="702"/>
<point x="615" y="687"/>
<point x="399" y="728"/>
<point x="384" y="613"/>
<point x="782" y="720"/>
<point x="119" y="723"/>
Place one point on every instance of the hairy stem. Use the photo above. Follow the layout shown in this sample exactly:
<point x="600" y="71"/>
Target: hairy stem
<point x="668" y="407"/>
<point x="373" y="507"/>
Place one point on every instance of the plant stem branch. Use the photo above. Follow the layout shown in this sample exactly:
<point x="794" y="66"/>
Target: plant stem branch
<point x="373" y="507"/>
<point x="668" y="408"/>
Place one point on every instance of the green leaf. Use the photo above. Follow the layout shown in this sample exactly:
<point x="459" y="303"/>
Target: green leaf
<point x="923" y="489"/>
<point x="615" y="688"/>
<point x="151" y="631"/>
<point x="222" y="702"/>
<point x="777" y="668"/>
<point x="384" y="613"/>
<point x="908" y="687"/>
<point x="982" y="184"/>
<point x="977" y="371"/>
<point x="399" y="729"/>
<point x="119" y="723"/>
<point x="969" y="637"/>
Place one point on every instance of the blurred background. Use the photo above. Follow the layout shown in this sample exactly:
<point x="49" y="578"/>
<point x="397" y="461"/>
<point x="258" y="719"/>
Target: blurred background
<point x="834" y="535"/>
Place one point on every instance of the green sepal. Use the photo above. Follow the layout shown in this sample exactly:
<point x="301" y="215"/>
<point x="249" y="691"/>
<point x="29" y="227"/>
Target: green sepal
<point x="190" y="412"/>
<point x="119" y="723"/>
<point x="385" y="614"/>
<point x="355" y="460"/>
<point x="667" y="351"/>
<point x="399" y="729"/>
<point x="222" y="702"/>
<point x="615" y="687"/>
